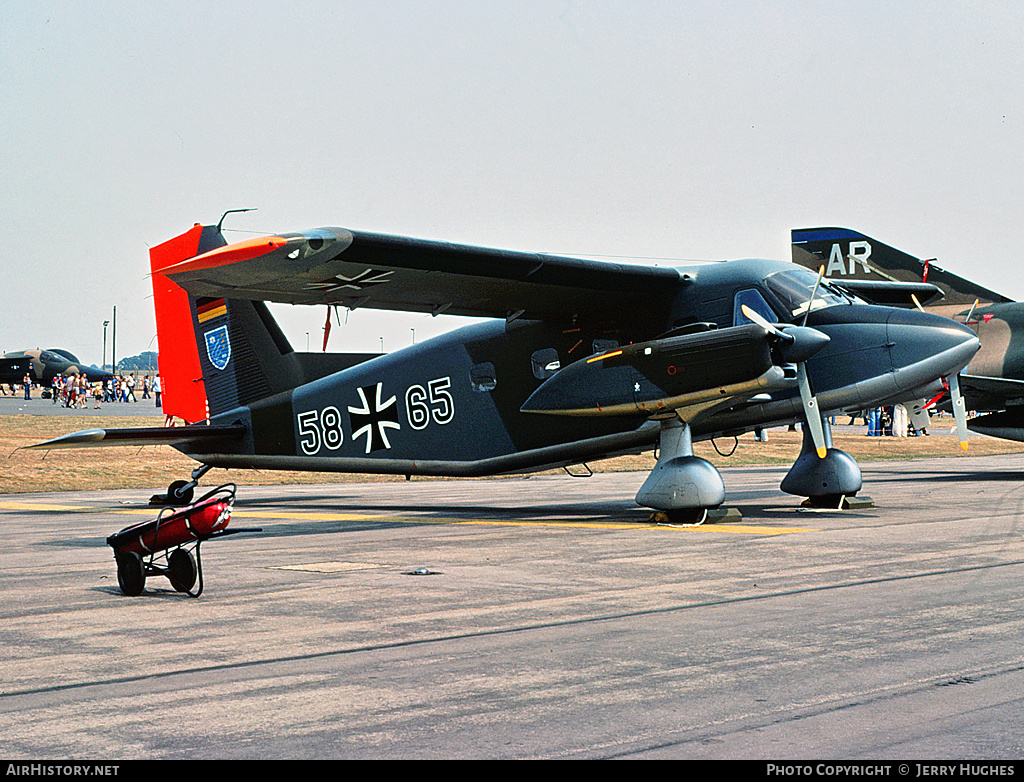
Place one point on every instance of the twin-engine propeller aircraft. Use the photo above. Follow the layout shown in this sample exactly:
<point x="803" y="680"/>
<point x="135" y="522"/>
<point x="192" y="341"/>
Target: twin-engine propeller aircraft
<point x="580" y="360"/>
<point x="993" y="382"/>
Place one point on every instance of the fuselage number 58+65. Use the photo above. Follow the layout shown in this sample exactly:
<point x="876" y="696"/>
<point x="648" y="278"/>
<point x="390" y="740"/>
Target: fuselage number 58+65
<point x="423" y="405"/>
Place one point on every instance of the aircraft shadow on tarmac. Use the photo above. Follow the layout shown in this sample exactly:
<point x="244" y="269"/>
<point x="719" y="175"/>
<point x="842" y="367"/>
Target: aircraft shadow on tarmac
<point x="994" y="476"/>
<point x="582" y="511"/>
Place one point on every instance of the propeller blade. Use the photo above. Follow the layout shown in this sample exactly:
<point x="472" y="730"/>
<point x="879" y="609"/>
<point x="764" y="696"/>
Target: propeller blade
<point x="810" y="301"/>
<point x="959" y="410"/>
<point x="913" y="297"/>
<point x="811" y="411"/>
<point x="970" y="312"/>
<point x="756" y="317"/>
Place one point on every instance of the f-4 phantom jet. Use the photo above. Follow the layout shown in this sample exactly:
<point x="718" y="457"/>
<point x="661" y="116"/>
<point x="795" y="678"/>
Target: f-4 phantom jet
<point x="993" y="383"/>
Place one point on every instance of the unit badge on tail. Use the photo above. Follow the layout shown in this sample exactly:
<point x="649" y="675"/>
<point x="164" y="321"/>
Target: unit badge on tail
<point x="218" y="346"/>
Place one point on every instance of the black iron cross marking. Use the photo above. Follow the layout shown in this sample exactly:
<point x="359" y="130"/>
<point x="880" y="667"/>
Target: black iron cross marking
<point x="339" y="282"/>
<point x="373" y="422"/>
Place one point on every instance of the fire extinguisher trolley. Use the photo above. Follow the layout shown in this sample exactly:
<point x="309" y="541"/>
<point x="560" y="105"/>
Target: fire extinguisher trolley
<point x="169" y="544"/>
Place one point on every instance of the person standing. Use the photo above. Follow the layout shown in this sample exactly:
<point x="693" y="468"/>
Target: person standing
<point x="27" y="380"/>
<point x="157" y="389"/>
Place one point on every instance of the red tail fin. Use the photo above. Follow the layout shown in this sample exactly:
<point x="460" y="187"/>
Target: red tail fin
<point x="184" y="392"/>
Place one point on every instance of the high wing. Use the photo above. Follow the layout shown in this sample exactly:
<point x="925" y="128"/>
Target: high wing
<point x="335" y="266"/>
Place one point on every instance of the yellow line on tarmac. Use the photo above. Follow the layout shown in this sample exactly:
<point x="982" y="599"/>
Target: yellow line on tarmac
<point x="735" y="528"/>
<point x="273" y="514"/>
<point x="41" y="506"/>
<point x="741" y="529"/>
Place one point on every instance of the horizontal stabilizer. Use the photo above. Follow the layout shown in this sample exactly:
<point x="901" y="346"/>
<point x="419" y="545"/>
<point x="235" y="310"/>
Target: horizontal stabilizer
<point x="891" y="294"/>
<point x="1007" y="424"/>
<point x="991" y="393"/>
<point x="1005" y="387"/>
<point x="157" y="435"/>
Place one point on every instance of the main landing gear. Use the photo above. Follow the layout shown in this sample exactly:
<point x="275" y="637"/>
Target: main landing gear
<point x="682" y="488"/>
<point x="830" y="482"/>
<point x="685" y="489"/>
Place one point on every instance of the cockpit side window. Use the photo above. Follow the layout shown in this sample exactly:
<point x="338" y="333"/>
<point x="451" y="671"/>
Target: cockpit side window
<point x="794" y="289"/>
<point x="752" y="298"/>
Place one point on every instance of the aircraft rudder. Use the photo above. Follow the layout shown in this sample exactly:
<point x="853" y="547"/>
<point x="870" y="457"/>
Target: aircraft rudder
<point x="182" y="388"/>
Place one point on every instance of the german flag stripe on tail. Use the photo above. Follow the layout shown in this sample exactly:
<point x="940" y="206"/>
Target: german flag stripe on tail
<point x="207" y="309"/>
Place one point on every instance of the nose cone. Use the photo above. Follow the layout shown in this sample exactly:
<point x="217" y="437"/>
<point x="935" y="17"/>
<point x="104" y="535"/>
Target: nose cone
<point x="929" y="343"/>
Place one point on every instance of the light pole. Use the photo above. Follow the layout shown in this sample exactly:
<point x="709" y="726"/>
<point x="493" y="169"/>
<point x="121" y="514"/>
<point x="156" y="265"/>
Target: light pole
<point x="104" y="364"/>
<point x="113" y="345"/>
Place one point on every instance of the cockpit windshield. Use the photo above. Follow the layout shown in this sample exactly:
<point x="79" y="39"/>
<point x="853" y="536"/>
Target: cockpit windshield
<point x="794" y="288"/>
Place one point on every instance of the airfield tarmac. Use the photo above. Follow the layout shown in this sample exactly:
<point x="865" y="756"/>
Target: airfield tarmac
<point x="555" y="623"/>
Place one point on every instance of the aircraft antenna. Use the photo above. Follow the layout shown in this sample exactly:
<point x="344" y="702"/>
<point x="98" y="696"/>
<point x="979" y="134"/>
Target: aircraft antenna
<point x="232" y="211"/>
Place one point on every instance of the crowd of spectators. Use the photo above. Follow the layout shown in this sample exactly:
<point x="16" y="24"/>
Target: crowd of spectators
<point x="76" y="391"/>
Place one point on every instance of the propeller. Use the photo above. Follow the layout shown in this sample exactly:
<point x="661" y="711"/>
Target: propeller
<point x="810" y="301"/>
<point x="971" y="312"/>
<point x="801" y="343"/>
<point x="959" y="410"/>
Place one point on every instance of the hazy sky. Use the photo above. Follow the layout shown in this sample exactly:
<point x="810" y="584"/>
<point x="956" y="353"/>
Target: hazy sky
<point x="667" y="131"/>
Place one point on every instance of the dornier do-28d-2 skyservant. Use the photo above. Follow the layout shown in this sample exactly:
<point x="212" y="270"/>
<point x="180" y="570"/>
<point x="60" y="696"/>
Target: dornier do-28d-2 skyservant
<point x="577" y="360"/>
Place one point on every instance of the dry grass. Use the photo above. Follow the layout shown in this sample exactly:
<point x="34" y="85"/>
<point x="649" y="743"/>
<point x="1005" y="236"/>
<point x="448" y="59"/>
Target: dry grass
<point x="154" y="467"/>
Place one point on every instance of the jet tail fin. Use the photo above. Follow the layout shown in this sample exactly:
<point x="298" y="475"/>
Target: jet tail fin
<point x="850" y="256"/>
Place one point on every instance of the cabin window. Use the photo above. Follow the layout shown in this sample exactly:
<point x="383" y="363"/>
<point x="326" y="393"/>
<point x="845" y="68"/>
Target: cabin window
<point x="545" y="363"/>
<point x="753" y="299"/>
<point x="482" y="376"/>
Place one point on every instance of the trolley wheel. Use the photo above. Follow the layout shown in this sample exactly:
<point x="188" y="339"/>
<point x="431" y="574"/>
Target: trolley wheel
<point x="131" y="573"/>
<point x="182" y="570"/>
<point x="177" y="494"/>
